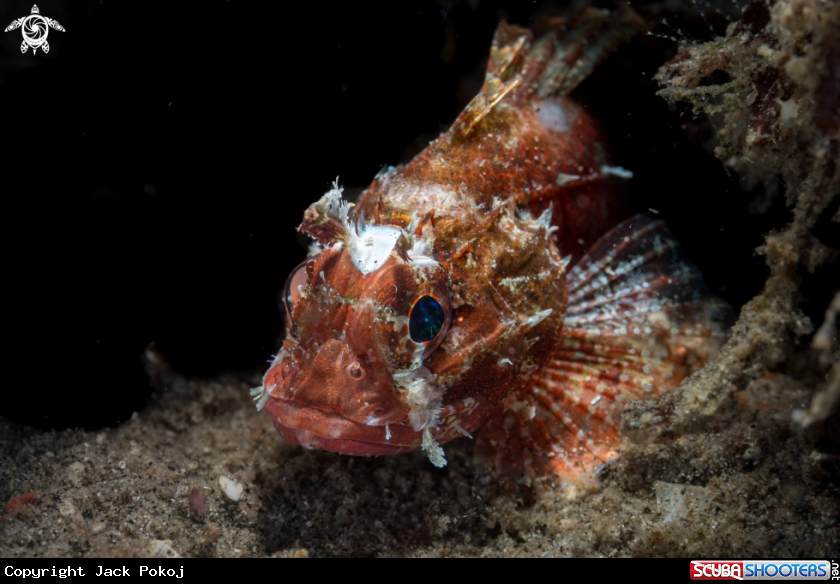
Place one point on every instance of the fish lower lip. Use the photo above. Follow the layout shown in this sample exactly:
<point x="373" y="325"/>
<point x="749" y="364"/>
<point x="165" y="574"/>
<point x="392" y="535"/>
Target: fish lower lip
<point x="316" y="429"/>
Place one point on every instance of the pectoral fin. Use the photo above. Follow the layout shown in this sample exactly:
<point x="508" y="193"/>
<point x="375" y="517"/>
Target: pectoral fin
<point x="639" y="321"/>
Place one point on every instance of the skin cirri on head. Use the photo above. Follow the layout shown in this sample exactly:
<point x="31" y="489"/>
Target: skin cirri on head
<point x="487" y="284"/>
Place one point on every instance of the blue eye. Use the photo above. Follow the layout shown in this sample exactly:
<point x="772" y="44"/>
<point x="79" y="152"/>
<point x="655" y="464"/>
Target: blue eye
<point x="425" y="320"/>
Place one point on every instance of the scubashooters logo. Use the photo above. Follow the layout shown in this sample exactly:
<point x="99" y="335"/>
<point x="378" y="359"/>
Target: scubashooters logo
<point x="762" y="570"/>
<point x="35" y="29"/>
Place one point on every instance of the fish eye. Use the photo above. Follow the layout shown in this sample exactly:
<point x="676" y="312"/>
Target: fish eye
<point x="294" y="284"/>
<point x="425" y="320"/>
<point x="429" y="319"/>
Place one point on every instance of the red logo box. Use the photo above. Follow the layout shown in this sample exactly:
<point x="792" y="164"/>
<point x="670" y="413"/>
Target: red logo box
<point x="717" y="570"/>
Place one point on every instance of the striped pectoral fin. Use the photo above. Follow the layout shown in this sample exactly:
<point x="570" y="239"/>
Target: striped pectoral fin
<point x="564" y="422"/>
<point x="634" y="295"/>
<point x="552" y="428"/>
<point x="639" y="320"/>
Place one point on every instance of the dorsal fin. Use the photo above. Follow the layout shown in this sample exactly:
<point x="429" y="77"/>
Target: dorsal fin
<point x="510" y="45"/>
<point x="492" y="92"/>
<point x="576" y="47"/>
<point x="520" y="68"/>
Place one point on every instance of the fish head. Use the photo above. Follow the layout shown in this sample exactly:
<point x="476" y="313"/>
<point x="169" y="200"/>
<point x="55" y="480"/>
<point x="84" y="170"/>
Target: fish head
<point x="362" y="315"/>
<point x="396" y="342"/>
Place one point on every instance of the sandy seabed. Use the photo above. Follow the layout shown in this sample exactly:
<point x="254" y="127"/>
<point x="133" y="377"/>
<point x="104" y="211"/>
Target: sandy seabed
<point x="742" y="460"/>
<point x="749" y="486"/>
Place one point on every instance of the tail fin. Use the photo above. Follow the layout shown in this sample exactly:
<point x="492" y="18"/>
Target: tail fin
<point x="562" y="56"/>
<point x="639" y="321"/>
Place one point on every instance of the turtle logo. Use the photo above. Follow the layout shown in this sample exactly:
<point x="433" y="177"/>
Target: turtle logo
<point x="35" y="29"/>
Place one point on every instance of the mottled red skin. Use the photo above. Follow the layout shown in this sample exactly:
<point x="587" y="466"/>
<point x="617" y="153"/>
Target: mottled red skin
<point x="463" y="194"/>
<point x="447" y="166"/>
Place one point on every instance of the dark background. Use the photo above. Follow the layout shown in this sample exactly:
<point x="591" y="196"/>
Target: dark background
<point x="156" y="162"/>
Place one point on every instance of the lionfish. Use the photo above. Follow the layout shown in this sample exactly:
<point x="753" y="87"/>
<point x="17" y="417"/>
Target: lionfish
<point x="487" y="284"/>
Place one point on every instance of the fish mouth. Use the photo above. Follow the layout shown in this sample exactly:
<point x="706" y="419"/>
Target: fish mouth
<point x="320" y="430"/>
